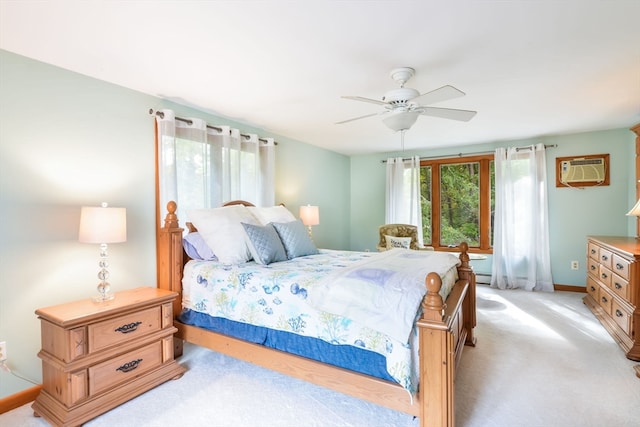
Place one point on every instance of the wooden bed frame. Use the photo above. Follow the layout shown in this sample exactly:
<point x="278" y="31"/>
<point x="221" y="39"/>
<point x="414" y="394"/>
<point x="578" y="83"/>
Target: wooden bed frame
<point x="444" y="329"/>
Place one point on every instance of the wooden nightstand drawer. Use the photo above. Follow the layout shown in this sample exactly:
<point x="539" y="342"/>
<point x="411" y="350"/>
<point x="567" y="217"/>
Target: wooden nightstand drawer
<point x="96" y="356"/>
<point x="124" y="328"/>
<point x="124" y="368"/>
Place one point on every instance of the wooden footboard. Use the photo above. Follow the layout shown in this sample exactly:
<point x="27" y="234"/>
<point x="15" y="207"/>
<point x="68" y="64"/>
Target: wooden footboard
<point x="444" y="329"/>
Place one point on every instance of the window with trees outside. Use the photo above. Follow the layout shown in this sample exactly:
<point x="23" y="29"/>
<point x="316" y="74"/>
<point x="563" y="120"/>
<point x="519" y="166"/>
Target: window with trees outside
<point x="458" y="199"/>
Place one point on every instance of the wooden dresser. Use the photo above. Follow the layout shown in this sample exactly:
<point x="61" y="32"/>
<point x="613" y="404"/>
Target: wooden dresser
<point x="96" y="356"/>
<point x="613" y="289"/>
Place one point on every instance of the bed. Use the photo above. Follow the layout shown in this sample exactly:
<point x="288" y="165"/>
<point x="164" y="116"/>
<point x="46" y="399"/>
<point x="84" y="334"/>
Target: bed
<point x="423" y="388"/>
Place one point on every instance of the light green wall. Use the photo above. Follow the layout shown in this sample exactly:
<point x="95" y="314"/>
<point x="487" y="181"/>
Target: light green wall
<point x="573" y="213"/>
<point x="67" y="140"/>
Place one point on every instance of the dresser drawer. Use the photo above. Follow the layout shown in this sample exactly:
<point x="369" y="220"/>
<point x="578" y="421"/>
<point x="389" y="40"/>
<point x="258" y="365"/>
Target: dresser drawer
<point x="620" y="286"/>
<point x="605" y="257"/>
<point x="593" y="267"/>
<point x="593" y="251"/>
<point x="604" y="299"/>
<point x="621" y="316"/>
<point x="605" y="276"/>
<point x="124" y="368"/>
<point x="620" y="266"/>
<point x="592" y="288"/>
<point x="124" y="328"/>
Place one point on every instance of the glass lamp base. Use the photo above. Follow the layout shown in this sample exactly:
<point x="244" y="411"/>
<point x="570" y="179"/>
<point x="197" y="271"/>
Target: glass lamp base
<point x="103" y="291"/>
<point x="104" y="297"/>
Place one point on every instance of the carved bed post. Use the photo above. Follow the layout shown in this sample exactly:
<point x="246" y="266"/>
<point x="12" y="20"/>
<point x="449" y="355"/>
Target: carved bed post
<point x="465" y="271"/>
<point x="170" y="263"/>
<point x="436" y="370"/>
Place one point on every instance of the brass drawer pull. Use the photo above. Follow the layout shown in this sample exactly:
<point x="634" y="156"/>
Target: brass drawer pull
<point x="129" y="366"/>
<point x="130" y="327"/>
<point x="618" y="285"/>
<point x="618" y="313"/>
<point x="619" y="266"/>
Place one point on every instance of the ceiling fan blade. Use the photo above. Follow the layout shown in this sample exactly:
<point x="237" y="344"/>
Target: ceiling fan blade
<point x="360" y="98"/>
<point x="357" y="118"/>
<point x="438" y="95"/>
<point x="448" y="113"/>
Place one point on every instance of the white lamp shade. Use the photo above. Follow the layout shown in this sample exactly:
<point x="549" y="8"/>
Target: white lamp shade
<point x="102" y="225"/>
<point x="635" y="211"/>
<point x="310" y="215"/>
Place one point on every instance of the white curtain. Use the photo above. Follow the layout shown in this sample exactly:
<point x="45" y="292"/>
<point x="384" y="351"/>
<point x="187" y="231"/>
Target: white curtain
<point x="521" y="231"/>
<point x="205" y="166"/>
<point x="403" y="193"/>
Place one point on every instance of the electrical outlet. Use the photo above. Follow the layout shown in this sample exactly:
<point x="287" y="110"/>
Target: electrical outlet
<point x="574" y="265"/>
<point x="3" y="351"/>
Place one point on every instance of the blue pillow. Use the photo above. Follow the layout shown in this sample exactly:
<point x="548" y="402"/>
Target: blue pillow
<point x="196" y="248"/>
<point x="264" y="243"/>
<point x="295" y="239"/>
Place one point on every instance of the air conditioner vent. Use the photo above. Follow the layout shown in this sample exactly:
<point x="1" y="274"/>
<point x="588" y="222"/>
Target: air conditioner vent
<point x="582" y="170"/>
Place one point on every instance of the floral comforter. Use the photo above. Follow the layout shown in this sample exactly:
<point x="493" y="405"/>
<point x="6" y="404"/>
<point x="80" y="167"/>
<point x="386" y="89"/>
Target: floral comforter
<point x="275" y="296"/>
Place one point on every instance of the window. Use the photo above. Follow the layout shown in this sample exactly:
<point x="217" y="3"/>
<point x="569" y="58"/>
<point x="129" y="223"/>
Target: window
<point x="458" y="198"/>
<point x="204" y="166"/>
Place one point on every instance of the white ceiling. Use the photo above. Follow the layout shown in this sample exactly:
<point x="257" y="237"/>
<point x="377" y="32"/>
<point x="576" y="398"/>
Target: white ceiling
<point x="529" y="67"/>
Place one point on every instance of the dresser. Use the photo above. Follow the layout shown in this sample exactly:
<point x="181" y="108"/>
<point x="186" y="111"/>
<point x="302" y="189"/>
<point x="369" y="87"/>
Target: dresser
<point x="97" y="355"/>
<point x="613" y="289"/>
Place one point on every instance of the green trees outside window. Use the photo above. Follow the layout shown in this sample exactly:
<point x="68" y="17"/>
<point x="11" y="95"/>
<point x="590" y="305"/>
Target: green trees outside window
<point x="458" y="199"/>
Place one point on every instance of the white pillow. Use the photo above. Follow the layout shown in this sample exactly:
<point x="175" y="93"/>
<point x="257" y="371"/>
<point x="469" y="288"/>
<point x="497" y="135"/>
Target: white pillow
<point x="397" y="242"/>
<point x="221" y="229"/>
<point x="265" y="215"/>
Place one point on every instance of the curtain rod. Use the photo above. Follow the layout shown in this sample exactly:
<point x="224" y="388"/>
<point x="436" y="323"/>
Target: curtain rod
<point x="190" y="122"/>
<point x="477" y="153"/>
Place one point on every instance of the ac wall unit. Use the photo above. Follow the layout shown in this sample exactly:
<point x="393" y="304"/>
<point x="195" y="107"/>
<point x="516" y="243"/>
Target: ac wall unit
<point x="582" y="170"/>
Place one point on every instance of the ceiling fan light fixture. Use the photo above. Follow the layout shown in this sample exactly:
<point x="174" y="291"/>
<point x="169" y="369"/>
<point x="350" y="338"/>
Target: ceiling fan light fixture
<point x="400" y="121"/>
<point x="401" y="108"/>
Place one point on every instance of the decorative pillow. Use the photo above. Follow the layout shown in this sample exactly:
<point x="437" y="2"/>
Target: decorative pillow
<point x="222" y="230"/>
<point x="264" y="243"/>
<point x="397" y="242"/>
<point x="272" y="214"/>
<point x="196" y="248"/>
<point x="295" y="239"/>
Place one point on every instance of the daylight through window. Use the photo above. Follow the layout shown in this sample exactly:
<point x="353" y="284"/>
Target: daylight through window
<point x="458" y="198"/>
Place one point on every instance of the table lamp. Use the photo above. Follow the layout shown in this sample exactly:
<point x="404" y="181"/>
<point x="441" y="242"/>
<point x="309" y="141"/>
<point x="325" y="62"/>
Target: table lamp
<point x="310" y="215"/>
<point x="103" y="225"/>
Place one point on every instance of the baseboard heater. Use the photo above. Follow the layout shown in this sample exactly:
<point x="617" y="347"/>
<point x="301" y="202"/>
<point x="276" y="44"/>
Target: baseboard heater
<point x="483" y="279"/>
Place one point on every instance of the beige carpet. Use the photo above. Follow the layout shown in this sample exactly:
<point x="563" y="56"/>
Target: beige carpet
<point x="541" y="360"/>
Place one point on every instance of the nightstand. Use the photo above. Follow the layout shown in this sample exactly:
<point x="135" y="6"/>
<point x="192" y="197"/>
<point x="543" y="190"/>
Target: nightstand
<point x="98" y="355"/>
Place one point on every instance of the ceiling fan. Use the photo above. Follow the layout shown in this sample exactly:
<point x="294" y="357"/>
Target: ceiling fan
<point x="401" y="109"/>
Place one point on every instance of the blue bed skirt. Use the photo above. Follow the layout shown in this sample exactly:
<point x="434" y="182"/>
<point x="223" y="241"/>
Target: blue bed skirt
<point x="344" y="356"/>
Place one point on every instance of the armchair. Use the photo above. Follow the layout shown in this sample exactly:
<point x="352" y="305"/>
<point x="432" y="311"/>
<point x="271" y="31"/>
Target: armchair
<point x="397" y="230"/>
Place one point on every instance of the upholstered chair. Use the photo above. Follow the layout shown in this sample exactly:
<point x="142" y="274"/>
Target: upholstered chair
<point x="397" y="230"/>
